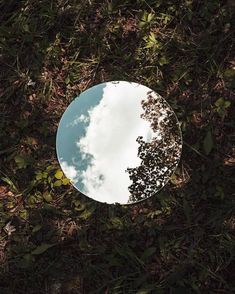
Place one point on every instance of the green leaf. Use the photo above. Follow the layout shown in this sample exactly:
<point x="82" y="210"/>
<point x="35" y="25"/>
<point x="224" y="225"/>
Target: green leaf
<point x="23" y="160"/>
<point x="58" y="183"/>
<point x="78" y="205"/>
<point x="59" y="174"/>
<point x="39" y="176"/>
<point x="36" y="228"/>
<point x="25" y="27"/>
<point x="67" y="80"/>
<point x="20" y="161"/>
<point x="163" y="60"/>
<point x="152" y="42"/>
<point x="208" y="143"/>
<point x="117" y="222"/>
<point x="9" y="182"/>
<point x="227" y="104"/>
<point x="49" y="168"/>
<point x="143" y="291"/>
<point x="219" y="102"/>
<point x="44" y="175"/>
<point x="148" y="253"/>
<point x="152" y="37"/>
<point x="87" y="213"/>
<point x="65" y="181"/>
<point x="150" y="17"/>
<point x="23" y="213"/>
<point x="42" y="248"/>
<point x="229" y="73"/>
<point x="47" y="196"/>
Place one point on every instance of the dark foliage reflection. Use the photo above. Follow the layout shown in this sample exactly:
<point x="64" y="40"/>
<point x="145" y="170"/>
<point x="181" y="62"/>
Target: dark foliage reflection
<point x="160" y="157"/>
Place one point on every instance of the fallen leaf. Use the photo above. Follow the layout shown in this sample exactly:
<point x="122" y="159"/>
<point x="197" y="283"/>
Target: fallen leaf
<point x="208" y="143"/>
<point x="42" y="248"/>
<point x="58" y="174"/>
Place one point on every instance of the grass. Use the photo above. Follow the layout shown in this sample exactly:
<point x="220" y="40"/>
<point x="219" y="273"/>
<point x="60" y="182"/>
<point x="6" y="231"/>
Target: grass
<point x="53" y="240"/>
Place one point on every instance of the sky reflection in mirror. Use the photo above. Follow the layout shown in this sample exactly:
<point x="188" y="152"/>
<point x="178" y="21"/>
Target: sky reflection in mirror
<point x="118" y="142"/>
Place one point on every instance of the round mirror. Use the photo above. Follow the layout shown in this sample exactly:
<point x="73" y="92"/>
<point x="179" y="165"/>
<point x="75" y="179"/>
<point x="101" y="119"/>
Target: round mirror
<point x="119" y="142"/>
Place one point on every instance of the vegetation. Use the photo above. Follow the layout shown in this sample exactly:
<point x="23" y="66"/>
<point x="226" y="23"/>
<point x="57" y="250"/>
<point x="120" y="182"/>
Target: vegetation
<point x="53" y="240"/>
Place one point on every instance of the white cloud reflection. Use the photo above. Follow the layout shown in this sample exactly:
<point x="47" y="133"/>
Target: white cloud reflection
<point x="110" y="138"/>
<point x="76" y="121"/>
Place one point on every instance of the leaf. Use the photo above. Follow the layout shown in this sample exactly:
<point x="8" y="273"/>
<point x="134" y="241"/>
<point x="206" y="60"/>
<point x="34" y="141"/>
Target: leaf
<point x="59" y="174"/>
<point x="145" y="16"/>
<point x="227" y="104"/>
<point x="148" y="253"/>
<point x="152" y="42"/>
<point x="146" y="19"/>
<point x="23" y="161"/>
<point x="49" y="168"/>
<point x="47" y="196"/>
<point x="20" y="161"/>
<point x="44" y="175"/>
<point x="117" y="222"/>
<point x="87" y="213"/>
<point x="219" y="102"/>
<point x="143" y="291"/>
<point x="229" y="73"/>
<point x="23" y="214"/>
<point x="208" y="143"/>
<point x="163" y="60"/>
<point x="152" y="37"/>
<point x="25" y="27"/>
<point x="66" y="181"/>
<point x="42" y="248"/>
<point x="36" y="228"/>
<point x="9" y="182"/>
<point x="39" y="176"/>
<point x="79" y="206"/>
<point x="58" y="183"/>
<point x="150" y="17"/>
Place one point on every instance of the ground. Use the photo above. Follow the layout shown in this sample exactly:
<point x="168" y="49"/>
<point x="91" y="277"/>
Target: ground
<point x="53" y="240"/>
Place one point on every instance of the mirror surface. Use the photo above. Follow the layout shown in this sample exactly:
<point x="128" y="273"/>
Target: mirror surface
<point x="118" y="142"/>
